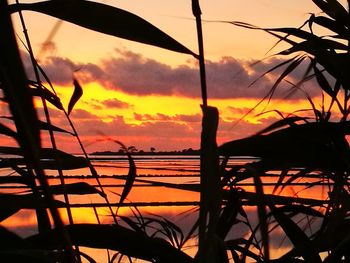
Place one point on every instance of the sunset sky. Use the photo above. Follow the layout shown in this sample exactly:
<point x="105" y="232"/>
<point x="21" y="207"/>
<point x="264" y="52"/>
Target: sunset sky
<point x="150" y="97"/>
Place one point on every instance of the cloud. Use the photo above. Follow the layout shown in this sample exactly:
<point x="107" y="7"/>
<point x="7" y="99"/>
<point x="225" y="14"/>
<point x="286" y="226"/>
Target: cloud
<point x="82" y="114"/>
<point x="134" y="74"/>
<point x="96" y="104"/>
<point x="115" y="103"/>
<point x="162" y="131"/>
<point x="240" y="111"/>
<point x="162" y="117"/>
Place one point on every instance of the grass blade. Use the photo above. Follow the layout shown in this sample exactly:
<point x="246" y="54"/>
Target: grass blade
<point x="297" y="236"/>
<point x="115" y="237"/>
<point x="105" y="19"/>
<point x="47" y="95"/>
<point x="81" y="188"/>
<point x="78" y="92"/>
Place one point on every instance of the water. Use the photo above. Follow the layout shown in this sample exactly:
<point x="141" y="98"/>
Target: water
<point x="175" y="204"/>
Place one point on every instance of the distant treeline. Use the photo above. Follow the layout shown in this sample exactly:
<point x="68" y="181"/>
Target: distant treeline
<point x="188" y="151"/>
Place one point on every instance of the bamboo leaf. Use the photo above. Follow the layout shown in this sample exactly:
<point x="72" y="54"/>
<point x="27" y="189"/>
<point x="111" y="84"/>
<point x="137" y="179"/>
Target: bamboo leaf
<point x="75" y="189"/>
<point x="315" y="41"/>
<point x="283" y="175"/>
<point x="332" y="25"/>
<point x="281" y="123"/>
<point x="7" y="131"/>
<point x="229" y="214"/>
<point x="9" y="240"/>
<point x="311" y="145"/>
<point x="47" y="126"/>
<point x="13" y="179"/>
<point x="130" y="178"/>
<point x="11" y="204"/>
<point x="252" y="198"/>
<point x="17" y="255"/>
<point x="323" y="82"/>
<point x="261" y="207"/>
<point x="47" y="95"/>
<point x="114" y="237"/>
<point x="235" y="245"/>
<point x="334" y="9"/>
<point x="7" y="212"/>
<point x="301" y="209"/>
<point x="42" y="126"/>
<point x="78" y="92"/>
<point x="14" y="84"/>
<point x="105" y="19"/>
<point x="296" y="235"/>
<point x="48" y="158"/>
<point x="135" y="226"/>
<point x="131" y="173"/>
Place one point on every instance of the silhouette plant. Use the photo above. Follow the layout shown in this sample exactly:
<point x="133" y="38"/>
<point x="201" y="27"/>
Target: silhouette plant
<point x="300" y="149"/>
<point x="292" y="151"/>
<point x="61" y="243"/>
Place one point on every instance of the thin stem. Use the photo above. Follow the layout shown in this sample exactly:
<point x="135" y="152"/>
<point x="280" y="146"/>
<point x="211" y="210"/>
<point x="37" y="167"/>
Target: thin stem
<point x="54" y="211"/>
<point x="197" y="13"/>
<point x="91" y="167"/>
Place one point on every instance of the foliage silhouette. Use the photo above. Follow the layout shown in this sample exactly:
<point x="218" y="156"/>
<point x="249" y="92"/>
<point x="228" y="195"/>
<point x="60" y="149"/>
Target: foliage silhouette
<point x="293" y="149"/>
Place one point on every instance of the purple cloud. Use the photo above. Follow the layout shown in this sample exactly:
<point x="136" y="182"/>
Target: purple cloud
<point x="133" y="74"/>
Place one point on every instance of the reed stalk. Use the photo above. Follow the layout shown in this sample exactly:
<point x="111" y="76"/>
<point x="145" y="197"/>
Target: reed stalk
<point x="210" y="199"/>
<point x="16" y="91"/>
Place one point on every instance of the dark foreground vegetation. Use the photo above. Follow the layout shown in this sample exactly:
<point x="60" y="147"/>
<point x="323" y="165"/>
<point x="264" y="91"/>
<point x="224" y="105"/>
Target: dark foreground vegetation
<point x="293" y="149"/>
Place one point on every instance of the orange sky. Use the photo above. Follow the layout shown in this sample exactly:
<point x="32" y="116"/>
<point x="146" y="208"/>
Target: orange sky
<point x="150" y="97"/>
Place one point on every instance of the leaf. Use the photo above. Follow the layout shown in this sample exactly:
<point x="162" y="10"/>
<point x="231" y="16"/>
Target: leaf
<point x="47" y="95"/>
<point x="105" y="19"/>
<point x="130" y="179"/>
<point x="281" y="123"/>
<point x="315" y="41"/>
<point x="301" y="209"/>
<point x="78" y="92"/>
<point x="14" y="84"/>
<point x="42" y="126"/>
<point x="6" y="212"/>
<point x="309" y="145"/>
<point x="323" y="82"/>
<point x="114" y="237"/>
<point x="298" y="238"/>
<point x="75" y="189"/>
<point x="11" y="204"/>
<point x="235" y="245"/>
<point x="252" y="198"/>
<point x="283" y="174"/>
<point x="229" y="214"/>
<point x="332" y="25"/>
<point x="9" y="240"/>
<point x="16" y="255"/>
<point x="47" y="126"/>
<point x="48" y="158"/>
<point x="7" y="131"/>
<point x="261" y="207"/>
<point x="334" y="9"/>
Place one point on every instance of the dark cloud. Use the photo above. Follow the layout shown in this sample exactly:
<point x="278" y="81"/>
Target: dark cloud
<point x="60" y="70"/>
<point x="94" y="103"/>
<point x="83" y="114"/>
<point x="115" y="103"/>
<point x="189" y="118"/>
<point x="241" y="111"/>
<point x="131" y="73"/>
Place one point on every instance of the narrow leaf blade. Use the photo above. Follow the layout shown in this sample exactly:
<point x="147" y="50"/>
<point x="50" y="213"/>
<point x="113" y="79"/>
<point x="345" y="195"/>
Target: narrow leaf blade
<point x="78" y="92"/>
<point x="106" y="19"/>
